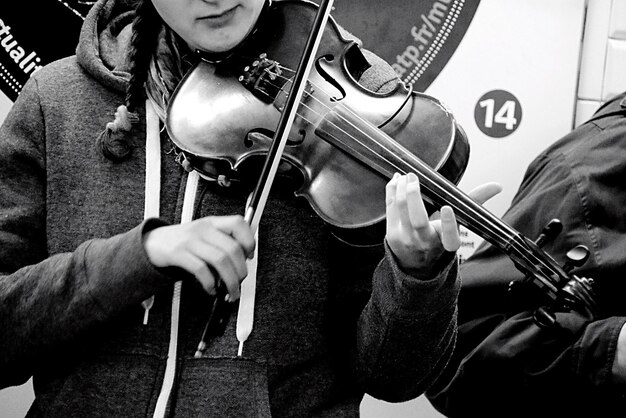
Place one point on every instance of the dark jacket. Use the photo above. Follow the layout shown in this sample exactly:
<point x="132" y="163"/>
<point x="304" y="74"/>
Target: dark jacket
<point x="505" y="365"/>
<point x="333" y="321"/>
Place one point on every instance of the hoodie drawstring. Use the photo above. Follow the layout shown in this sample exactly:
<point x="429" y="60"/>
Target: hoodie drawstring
<point x="170" y="368"/>
<point x="152" y="185"/>
<point x="245" y="315"/>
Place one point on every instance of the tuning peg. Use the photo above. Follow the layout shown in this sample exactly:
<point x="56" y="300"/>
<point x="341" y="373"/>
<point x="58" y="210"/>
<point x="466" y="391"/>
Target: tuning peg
<point x="549" y="232"/>
<point x="517" y="287"/>
<point x="544" y="318"/>
<point x="576" y="257"/>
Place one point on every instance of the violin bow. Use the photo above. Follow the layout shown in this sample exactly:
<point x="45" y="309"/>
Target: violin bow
<point x="258" y="198"/>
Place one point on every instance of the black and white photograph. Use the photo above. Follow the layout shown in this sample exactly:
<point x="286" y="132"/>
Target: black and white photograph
<point x="313" y="208"/>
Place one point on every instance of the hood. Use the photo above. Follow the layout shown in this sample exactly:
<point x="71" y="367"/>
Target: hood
<point x="104" y="42"/>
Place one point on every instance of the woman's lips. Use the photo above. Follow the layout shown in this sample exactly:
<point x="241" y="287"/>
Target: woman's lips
<point x="220" y="19"/>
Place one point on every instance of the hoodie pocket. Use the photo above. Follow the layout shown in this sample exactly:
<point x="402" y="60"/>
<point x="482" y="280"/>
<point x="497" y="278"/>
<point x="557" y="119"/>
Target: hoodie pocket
<point x="109" y="386"/>
<point x="222" y="387"/>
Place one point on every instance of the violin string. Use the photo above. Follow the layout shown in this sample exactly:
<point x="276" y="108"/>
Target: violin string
<point x="508" y="236"/>
<point x="391" y="163"/>
<point x="432" y="189"/>
<point x="459" y="204"/>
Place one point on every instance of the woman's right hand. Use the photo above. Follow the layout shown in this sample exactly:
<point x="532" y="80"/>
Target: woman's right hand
<point x="211" y="248"/>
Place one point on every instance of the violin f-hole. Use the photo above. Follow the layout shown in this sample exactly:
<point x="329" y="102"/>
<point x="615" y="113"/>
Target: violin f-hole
<point x="329" y="58"/>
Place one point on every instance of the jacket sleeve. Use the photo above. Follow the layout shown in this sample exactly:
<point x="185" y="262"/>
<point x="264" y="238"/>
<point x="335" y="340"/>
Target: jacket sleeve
<point x="505" y="365"/>
<point x="46" y="299"/>
<point x="512" y="367"/>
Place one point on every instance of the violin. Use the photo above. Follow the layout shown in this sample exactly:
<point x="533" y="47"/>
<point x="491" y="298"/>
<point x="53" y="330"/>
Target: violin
<point x="211" y="99"/>
<point x="345" y="141"/>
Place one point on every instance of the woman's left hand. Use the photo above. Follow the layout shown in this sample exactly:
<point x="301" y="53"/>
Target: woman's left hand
<point x="416" y="239"/>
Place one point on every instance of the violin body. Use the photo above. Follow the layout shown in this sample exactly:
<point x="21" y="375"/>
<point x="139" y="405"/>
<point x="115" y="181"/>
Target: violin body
<point x="213" y="116"/>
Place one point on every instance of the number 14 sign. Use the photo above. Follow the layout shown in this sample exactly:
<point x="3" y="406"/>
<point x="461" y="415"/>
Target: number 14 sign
<point x="498" y="113"/>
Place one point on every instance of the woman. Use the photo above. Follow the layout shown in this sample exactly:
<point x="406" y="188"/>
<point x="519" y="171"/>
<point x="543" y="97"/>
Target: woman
<point x="92" y="245"/>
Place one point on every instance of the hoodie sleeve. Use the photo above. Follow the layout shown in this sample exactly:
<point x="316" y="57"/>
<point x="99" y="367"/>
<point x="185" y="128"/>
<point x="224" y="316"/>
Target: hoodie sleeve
<point x="47" y="299"/>
<point x="407" y="331"/>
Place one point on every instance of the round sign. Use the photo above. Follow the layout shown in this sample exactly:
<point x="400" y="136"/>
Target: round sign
<point x="498" y="113"/>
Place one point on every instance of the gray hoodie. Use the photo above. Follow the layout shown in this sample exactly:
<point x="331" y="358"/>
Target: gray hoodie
<point x="332" y="321"/>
